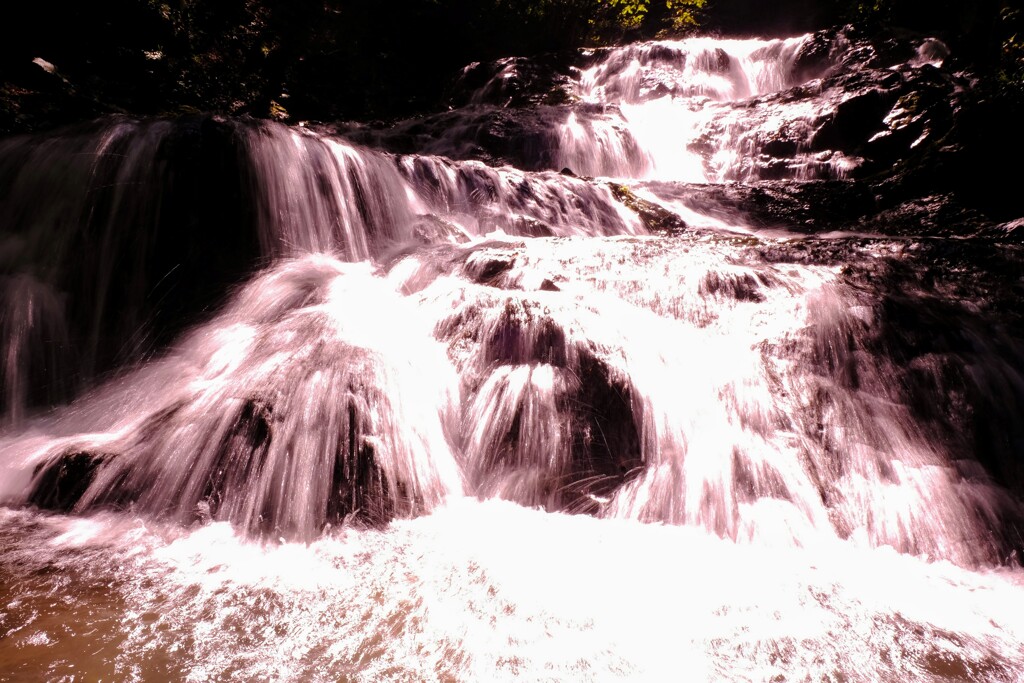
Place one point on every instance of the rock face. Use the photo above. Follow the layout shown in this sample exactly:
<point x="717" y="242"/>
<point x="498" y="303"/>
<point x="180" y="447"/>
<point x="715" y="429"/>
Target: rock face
<point x="514" y="82"/>
<point x="62" y="481"/>
<point x="152" y="232"/>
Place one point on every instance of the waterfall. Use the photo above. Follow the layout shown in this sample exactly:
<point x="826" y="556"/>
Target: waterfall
<point x="665" y="108"/>
<point x="426" y="371"/>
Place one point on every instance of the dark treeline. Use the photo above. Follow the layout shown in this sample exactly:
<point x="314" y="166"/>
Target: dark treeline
<point x="334" y="59"/>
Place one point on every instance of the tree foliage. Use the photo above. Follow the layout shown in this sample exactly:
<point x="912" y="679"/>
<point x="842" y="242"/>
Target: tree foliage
<point x="666" y="16"/>
<point x="686" y="15"/>
<point x="1012" y="47"/>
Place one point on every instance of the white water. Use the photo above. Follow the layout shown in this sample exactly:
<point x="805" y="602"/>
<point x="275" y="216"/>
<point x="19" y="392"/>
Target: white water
<point x="492" y="591"/>
<point x="480" y="352"/>
<point x="319" y="194"/>
<point x="668" y="110"/>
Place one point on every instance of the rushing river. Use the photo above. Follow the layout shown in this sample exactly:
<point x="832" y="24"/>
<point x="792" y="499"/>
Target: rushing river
<point x="544" y="387"/>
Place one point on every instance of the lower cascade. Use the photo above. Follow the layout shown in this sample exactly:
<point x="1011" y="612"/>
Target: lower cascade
<point x="615" y="397"/>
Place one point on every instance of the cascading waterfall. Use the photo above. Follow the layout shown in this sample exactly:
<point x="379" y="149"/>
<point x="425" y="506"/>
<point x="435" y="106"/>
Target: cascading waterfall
<point x="278" y="404"/>
<point x="289" y="412"/>
<point x="667" y="111"/>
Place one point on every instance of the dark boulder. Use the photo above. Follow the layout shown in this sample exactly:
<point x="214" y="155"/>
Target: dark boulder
<point x="61" y="481"/>
<point x="514" y="82"/>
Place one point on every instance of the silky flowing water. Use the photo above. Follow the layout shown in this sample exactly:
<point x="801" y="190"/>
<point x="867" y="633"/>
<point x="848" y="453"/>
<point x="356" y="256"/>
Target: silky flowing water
<point x="449" y="420"/>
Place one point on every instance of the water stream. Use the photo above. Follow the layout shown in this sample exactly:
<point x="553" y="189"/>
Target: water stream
<point x="284" y="403"/>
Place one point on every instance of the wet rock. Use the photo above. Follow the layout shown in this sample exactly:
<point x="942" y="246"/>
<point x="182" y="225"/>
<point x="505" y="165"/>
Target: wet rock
<point x="809" y="207"/>
<point x="985" y="132"/>
<point x="1013" y="229"/>
<point x="940" y="215"/>
<point x="779" y="146"/>
<point x="241" y="454"/>
<point x="854" y="120"/>
<point x="522" y="137"/>
<point x="430" y="229"/>
<point x="572" y="458"/>
<point x="655" y="218"/>
<point x="741" y="287"/>
<point x="360" y="490"/>
<point x="714" y="61"/>
<point x="488" y="271"/>
<point x="514" y="82"/>
<point x="878" y="103"/>
<point x="605" y="440"/>
<point x="60" y="482"/>
<point x="934" y="345"/>
<point x="816" y="55"/>
<point x="146" y="235"/>
<point x="522" y="334"/>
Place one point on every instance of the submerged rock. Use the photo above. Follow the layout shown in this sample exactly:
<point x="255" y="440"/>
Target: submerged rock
<point x="656" y="219"/>
<point x="60" y="482"/>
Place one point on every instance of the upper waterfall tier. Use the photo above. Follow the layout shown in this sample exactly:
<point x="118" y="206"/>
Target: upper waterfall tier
<point x="116" y="234"/>
<point x="722" y="70"/>
<point x="817" y="106"/>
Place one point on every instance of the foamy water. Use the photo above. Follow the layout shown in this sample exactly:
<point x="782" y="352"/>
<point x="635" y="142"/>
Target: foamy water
<point x="490" y="590"/>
